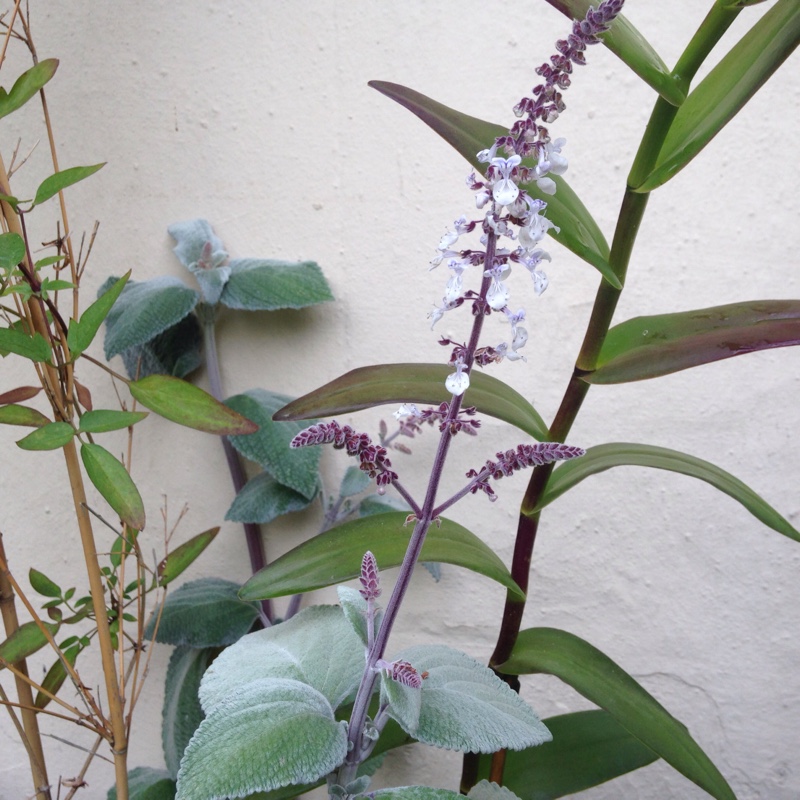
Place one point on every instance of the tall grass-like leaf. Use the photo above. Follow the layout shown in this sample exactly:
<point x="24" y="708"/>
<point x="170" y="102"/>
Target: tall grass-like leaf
<point x="469" y="135"/>
<point x="630" y="46"/>
<point x="184" y="556"/>
<point x="335" y="556"/>
<point x="726" y="89"/>
<point x="105" y="420"/>
<point x="651" y="346"/>
<point x="112" y="480"/>
<point x="82" y="332"/>
<point x="588" y="748"/>
<point x="366" y="387"/>
<point x="617" y="454"/>
<point x="594" y="675"/>
<point x="24" y="642"/>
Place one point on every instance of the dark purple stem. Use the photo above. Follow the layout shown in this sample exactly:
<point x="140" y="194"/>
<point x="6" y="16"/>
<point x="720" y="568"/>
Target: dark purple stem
<point x="358" y="717"/>
<point x="255" y="544"/>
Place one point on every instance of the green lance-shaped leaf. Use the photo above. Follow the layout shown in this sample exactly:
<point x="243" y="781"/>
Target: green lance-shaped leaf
<point x="33" y="347"/>
<point x="56" y="676"/>
<point x="269" y="447"/>
<point x="599" y="679"/>
<point x="51" y="186"/>
<point x="82" y="332"/>
<point x="262" y="499"/>
<point x="203" y="613"/>
<point x="182" y="713"/>
<point x="588" y="748"/>
<point x="262" y="285"/>
<point x="648" y="347"/>
<point x="625" y="41"/>
<point x="617" y="454"/>
<point x="317" y="647"/>
<point x="105" y="420"/>
<point x="289" y="720"/>
<point x="42" y="584"/>
<point x="184" y="556"/>
<point x="14" y="414"/>
<point x="24" y="642"/>
<point x="469" y="135"/>
<point x="144" y="310"/>
<point x="466" y="707"/>
<point x="48" y="437"/>
<point x="366" y="387"/>
<point x="27" y="85"/>
<point x="182" y="402"/>
<point x="12" y="251"/>
<point x="726" y="89"/>
<point x="335" y="556"/>
<point x="112" y="480"/>
<point x="146" y="783"/>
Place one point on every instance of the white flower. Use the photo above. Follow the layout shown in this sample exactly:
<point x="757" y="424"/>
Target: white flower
<point x="458" y="382"/>
<point x="439" y="311"/>
<point x="407" y="410"/>
<point x="485" y="156"/>
<point x="504" y="190"/>
<point x="454" y="286"/>
<point x="498" y="294"/>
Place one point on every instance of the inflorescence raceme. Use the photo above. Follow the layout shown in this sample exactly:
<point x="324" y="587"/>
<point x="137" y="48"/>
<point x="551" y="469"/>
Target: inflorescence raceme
<point x="511" y="212"/>
<point x="526" y="455"/>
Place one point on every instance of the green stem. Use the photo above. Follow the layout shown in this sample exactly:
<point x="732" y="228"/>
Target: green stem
<point x="631" y="212"/>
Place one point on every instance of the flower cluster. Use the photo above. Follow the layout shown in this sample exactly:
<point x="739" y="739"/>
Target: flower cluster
<point x="403" y="672"/>
<point x="370" y="580"/>
<point x="439" y="414"/>
<point x="374" y="458"/>
<point x="526" y="455"/>
<point x="511" y="212"/>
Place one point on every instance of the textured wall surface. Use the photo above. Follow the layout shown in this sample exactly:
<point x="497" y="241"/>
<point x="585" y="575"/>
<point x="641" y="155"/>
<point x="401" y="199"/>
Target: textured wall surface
<point x="257" y="116"/>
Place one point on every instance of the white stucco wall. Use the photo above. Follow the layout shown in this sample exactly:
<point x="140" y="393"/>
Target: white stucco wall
<point x="257" y="117"/>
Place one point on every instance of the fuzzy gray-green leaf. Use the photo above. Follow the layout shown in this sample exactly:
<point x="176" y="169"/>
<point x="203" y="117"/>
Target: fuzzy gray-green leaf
<point x="262" y="499"/>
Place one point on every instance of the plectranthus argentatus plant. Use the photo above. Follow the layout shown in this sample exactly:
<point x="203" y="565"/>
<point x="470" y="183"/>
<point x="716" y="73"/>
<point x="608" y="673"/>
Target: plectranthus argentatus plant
<point x="321" y="697"/>
<point x="277" y="692"/>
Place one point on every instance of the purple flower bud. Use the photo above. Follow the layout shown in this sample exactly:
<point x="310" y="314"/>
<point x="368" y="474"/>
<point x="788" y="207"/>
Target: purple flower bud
<point x="369" y="577"/>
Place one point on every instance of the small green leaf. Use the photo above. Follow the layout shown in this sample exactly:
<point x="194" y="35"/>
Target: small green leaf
<point x="22" y="415"/>
<point x="648" y="347"/>
<point x="12" y="250"/>
<point x="20" y="394"/>
<point x="104" y="420"/>
<point x="42" y="584"/>
<point x="33" y="347"/>
<point x="81" y="333"/>
<point x="287" y="719"/>
<point x="182" y="713"/>
<point x="616" y="454"/>
<point x="405" y="702"/>
<point x="112" y="480"/>
<point x="24" y="642"/>
<point x="51" y="186"/>
<point x="354" y="608"/>
<point x="421" y="383"/>
<point x="262" y="499"/>
<point x="469" y="135"/>
<point x="184" y="556"/>
<point x="27" y="85"/>
<point x="588" y="748"/>
<point x="48" y="437"/>
<point x="144" y="310"/>
<point x="466" y="707"/>
<point x="264" y="285"/>
<point x="316" y="647"/>
<point x="630" y="46"/>
<point x="599" y="679"/>
<point x="726" y="89"/>
<point x="203" y="613"/>
<point x="56" y="676"/>
<point x="269" y="447"/>
<point x="335" y="556"/>
<point x="146" y="783"/>
<point x="186" y="404"/>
